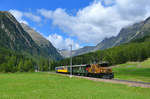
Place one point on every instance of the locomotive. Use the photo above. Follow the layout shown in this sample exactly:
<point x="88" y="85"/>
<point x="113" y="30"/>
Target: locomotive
<point x="91" y="70"/>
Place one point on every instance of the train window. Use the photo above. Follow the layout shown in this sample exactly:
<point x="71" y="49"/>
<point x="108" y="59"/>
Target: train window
<point x="61" y="68"/>
<point x="88" y="65"/>
<point x="104" y="65"/>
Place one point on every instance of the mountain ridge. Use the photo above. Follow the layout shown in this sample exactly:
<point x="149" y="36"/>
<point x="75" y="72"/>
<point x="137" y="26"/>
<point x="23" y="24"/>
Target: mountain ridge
<point x="45" y="44"/>
<point x="13" y="31"/>
<point x="137" y="30"/>
<point x="86" y="49"/>
<point x="13" y="36"/>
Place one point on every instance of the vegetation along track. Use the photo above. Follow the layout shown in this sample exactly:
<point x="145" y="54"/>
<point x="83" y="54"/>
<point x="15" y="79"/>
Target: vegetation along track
<point x="117" y="81"/>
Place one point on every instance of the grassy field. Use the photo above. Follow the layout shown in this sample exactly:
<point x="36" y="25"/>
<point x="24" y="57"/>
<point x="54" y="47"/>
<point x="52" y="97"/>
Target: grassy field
<point x="137" y="71"/>
<point x="52" y="86"/>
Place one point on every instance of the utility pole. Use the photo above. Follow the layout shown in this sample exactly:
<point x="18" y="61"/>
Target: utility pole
<point x="70" y="61"/>
<point x="49" y="63"/>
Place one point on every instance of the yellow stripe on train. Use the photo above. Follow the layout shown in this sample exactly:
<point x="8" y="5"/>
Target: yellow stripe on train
<point x="62" y="71"/>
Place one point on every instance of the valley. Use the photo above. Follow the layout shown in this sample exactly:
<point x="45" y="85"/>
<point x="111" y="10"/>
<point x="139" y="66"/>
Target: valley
<point x="93" y="49"/>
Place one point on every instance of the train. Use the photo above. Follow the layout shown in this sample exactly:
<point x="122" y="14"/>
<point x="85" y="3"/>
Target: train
<point x="100" y="70"/>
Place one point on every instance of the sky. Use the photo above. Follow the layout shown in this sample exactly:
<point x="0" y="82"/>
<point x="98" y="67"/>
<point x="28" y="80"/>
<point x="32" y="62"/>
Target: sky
<point x="77" y="22"/>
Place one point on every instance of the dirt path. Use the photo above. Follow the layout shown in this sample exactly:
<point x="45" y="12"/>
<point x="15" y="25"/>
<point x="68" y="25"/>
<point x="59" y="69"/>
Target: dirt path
<point x="126" y="82"/>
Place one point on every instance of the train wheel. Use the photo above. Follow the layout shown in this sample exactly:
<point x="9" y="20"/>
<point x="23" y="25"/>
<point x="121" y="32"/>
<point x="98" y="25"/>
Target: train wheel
<point x="86" y="74"/>
<point x="106" y="77"/>
<point x="79" y="74"/>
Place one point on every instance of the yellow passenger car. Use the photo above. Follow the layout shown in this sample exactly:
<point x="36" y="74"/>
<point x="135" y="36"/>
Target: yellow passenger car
<point x="61" y="69"/>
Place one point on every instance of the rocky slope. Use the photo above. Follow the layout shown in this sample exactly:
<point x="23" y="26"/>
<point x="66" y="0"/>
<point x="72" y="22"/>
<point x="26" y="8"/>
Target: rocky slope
<point x="65" y="53"/>
<point x="83" y="50"/>
<point x="86" y="49"/>
<point x="44" y="44"/>
<point x="14" y="37"/>
<point x="137" y="30"/>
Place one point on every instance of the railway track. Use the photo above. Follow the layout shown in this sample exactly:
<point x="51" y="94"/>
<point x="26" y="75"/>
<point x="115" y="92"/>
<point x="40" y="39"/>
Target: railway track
<point x="117" y="81"/>
<point x="139" y="82"/>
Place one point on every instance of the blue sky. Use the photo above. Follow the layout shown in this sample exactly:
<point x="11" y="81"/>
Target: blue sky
<point x="24" y="5"/>
<point x="77" y="22"/>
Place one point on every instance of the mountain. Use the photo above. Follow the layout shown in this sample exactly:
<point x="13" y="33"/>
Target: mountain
<point x="83" y="50"/>
<point x="65" y="53"/>
<point x="137" y="30"/>
<point x="13" y="36"/>
<point x="44" y="44"/>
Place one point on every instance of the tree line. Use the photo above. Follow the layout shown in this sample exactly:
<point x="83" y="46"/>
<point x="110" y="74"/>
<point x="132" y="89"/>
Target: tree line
<point x="11" y="61"/>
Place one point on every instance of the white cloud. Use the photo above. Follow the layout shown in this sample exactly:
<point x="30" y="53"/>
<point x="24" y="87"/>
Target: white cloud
<point x="108" y="2"/>
<point x="45" y="13"/>
<point x="59" y="42"/>
<point x="95" y="22"/>
<point x="32" y="17"/>
<point x="20" y="16"/>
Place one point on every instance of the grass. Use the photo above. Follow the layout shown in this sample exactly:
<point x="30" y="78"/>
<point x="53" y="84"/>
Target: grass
<point x="137" y="71"/>
<point x="52" y="86"/>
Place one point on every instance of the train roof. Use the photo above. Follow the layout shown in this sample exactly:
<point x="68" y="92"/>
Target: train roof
<point x="73" y="66"/>
<point x="83" y="65"/>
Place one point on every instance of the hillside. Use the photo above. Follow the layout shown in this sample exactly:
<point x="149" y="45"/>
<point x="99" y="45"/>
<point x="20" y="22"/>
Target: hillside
<point x="86" y="49"/>
<point x="136" y="50"/>
<point x="65" y="53"/>
<point x="42" y="42"/>
<point x="136" y="71"/>
<point x="137" y="30"/>
<point x="83" y="50"/>
<point x="14" y="37"/>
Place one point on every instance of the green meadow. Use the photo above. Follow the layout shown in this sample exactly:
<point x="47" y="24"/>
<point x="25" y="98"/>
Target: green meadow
<point x="137" y="71"/>
<point x="53" y="86"/>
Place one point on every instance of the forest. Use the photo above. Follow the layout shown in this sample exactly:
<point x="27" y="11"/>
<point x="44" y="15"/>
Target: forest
<point x="11" y="61"/>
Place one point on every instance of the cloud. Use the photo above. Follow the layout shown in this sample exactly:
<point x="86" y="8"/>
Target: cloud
<point x="45" y="13"/>
<point x="108" y="2"/>
<point x="61" y="43"/>
<point x="32" y="17"/>
<point x="95" y="22"/>
<point x="19" y="15"/>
